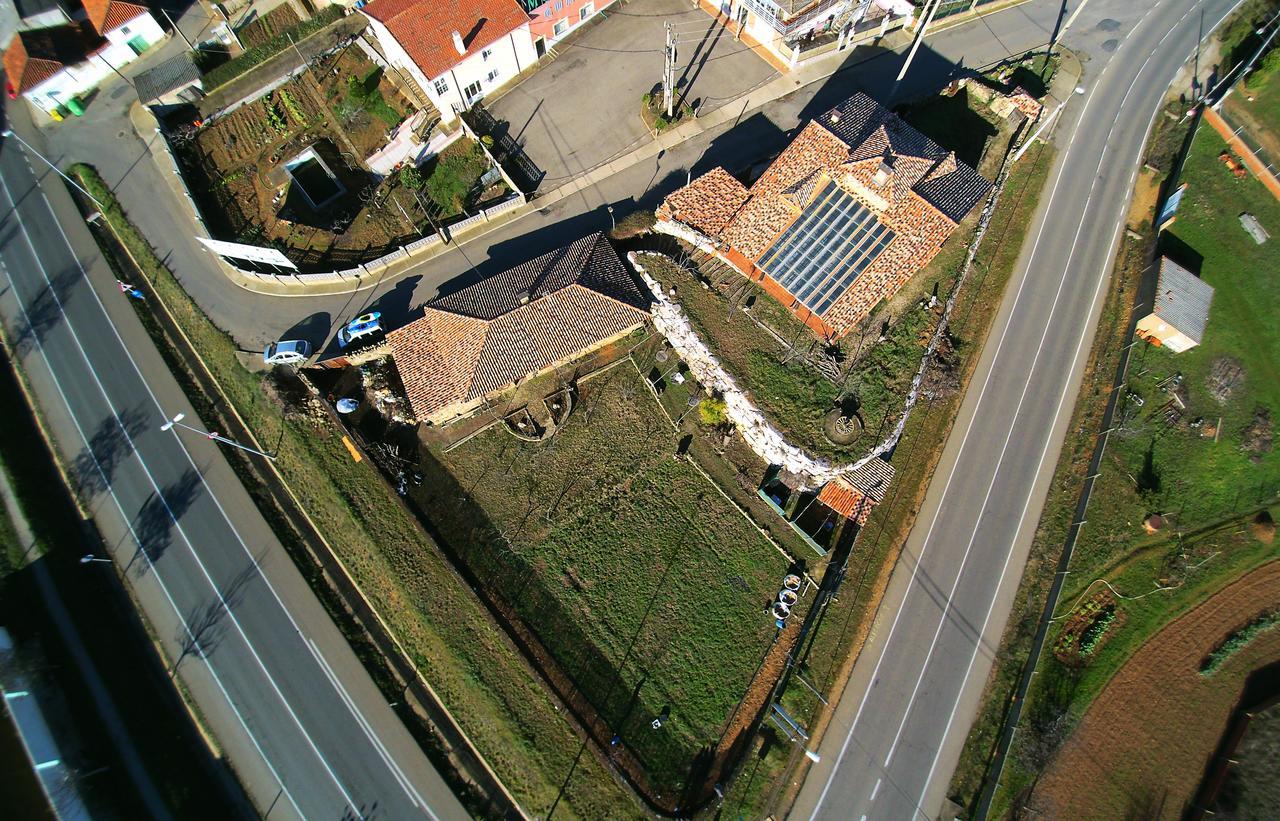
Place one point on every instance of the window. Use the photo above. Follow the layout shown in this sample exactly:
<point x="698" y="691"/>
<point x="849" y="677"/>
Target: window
<point x="442" y="87"/>
<point x="491" y="76"/>
<point x="559" y="5"/>
<point x="585" y="12"/>
<point x="124" y="29"/>
<point x="560" y="27"/>
<point x="486" y="54"/>
<point x="472" y="92"/>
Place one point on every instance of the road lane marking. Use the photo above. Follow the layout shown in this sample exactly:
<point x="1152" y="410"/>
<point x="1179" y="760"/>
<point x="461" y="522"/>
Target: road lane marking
<point x="1061" y="402"/>
<point x="875" y="790"/>
<point x="151" y="478"/>
<point x="159" y="580"/>
<point x="969" y="427"/>
<point x="398" y="774"/>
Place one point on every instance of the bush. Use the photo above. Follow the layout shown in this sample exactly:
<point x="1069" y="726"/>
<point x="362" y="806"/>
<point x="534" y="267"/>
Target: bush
<point x="453" y="176"/>
<point x="634" y="224"/>
<point x="411" y="177"/>
<point x="259" y="54"/>
<point x="1237" y="641"/>
<point x="712" y="411"/>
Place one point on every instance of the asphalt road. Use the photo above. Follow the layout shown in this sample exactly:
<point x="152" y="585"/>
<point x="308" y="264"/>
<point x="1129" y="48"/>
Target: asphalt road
<point x="290" y="705"/>
<point x="105" y="137"/>
<point x="903" y="718"/>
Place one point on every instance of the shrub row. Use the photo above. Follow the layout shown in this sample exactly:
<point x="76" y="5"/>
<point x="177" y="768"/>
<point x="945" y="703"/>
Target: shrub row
<point x="1237" y="641"/>
<point x="262" y="52"/>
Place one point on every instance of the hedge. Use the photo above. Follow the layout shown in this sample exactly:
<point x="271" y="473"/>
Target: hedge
<point x="262" y="52"/>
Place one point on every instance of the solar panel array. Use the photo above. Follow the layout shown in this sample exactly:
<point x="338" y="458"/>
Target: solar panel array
<point x="833" y="241"/>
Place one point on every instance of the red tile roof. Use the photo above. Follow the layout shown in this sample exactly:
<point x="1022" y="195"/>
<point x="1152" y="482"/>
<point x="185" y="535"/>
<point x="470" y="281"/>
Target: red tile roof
<point x="854" y="494"/>
<point x="486" y="337"/>
<point x="107" y="15"/>
<point x="424" y="28"/>
<point x="708" y="203"/>
<point x="35" y="56"/>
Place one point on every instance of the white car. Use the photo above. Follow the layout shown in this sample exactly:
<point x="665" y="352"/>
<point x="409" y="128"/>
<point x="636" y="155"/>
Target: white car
<point x="287" y="352"/>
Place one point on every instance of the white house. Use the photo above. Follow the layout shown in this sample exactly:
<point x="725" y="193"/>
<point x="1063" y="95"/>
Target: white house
<point x="456" y="52"/>
<point x="50" y="67"/>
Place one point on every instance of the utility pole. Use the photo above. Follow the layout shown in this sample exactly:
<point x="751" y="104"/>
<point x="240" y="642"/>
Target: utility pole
<point x="669" y="72"/>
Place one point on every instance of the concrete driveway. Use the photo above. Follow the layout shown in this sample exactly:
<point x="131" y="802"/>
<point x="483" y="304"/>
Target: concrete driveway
<point x="583" y="107"/>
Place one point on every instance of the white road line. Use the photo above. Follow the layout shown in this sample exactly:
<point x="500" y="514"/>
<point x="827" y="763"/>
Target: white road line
<point x="1061" y="403"/>
<point x="159" y="580"/>
<point x="360" y="721"/>
<point x="160" y="493"/>
<point x="876" y="789"/>
<point x="968" y="429"/>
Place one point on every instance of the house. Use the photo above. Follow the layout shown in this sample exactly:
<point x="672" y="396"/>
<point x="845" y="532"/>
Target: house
<point x="473" y="344"/>
<point x="848" y="212"/>
<point x="786" y="29"/>
<point x="456" y="52"/>
<point x="1181" y="311"/>
<point x="553" y="20"/>
<point x="51" y="67"/>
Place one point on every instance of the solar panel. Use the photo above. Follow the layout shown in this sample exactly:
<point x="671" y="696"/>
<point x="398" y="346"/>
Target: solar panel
<point x="820" y="255"/>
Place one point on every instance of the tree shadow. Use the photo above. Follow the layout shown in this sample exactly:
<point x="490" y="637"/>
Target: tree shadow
<point x="94" y="467"/>
<point x="43" y="312"/>
<point x="154" y="523"/>
<point x="314" y="329"/>
<point x="205" y="625"/>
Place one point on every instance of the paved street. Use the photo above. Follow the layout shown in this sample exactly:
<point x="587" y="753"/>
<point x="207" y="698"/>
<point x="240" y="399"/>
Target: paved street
<point x="306" y="729"/>
<point x="903" y="718"/>
<point x="583" y="108"/>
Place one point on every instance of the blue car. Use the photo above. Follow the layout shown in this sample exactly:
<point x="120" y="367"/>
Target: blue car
<point x="360" y="327"/>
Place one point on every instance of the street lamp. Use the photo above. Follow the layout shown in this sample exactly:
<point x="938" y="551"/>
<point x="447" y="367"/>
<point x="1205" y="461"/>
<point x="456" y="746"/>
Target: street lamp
<point x="89" y="558"/>
<point x="217" y="437"/>
<point x="9" y="132"/>
<point x="613" y="226"/>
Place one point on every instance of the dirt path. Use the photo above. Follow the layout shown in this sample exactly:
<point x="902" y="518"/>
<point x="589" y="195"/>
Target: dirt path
<point x="1142" y="747"/>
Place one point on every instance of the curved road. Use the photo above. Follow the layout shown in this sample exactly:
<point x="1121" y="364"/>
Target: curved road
<point x="904" y="715"/>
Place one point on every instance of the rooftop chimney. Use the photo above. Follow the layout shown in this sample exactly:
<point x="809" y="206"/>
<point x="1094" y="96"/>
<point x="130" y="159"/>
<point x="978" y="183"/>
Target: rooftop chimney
<point x="883" y="172"/>
<point x="458" y="44"/>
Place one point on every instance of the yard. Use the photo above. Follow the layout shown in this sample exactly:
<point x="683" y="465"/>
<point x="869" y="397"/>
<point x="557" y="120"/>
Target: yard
<point x="1255" y="105"/>
<point x="648" y="588"/>
<point x="343" y="108"/>
<point x="262" y="28"/>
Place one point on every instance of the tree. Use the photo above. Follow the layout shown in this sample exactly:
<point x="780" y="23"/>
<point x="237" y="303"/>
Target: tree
<point x="411" y="177"/>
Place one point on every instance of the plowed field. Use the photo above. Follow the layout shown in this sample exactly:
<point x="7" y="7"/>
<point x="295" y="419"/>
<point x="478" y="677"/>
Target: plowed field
<point x="1142" y="747"/>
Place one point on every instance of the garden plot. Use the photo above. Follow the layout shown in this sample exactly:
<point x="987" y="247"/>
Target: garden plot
<point x="340" y="111"/>
<point x="647" y="586"/>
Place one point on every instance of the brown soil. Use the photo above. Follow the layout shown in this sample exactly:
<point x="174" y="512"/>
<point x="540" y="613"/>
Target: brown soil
<point x="240" y="155"/>
<point x="1142" y="747"/>
<point x="1255" y="440"/>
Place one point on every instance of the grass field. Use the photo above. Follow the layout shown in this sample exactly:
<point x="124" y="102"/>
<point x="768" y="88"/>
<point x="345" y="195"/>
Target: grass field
<point x="645" y="584"/>
<point x="472" y="666"/>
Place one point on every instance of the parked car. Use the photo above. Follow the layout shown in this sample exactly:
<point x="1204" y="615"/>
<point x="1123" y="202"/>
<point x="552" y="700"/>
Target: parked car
<point x="287" y="352"/>
<point x="360" y="327"/>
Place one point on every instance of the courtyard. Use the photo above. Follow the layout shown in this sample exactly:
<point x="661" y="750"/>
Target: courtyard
<point x="599" y="75"/>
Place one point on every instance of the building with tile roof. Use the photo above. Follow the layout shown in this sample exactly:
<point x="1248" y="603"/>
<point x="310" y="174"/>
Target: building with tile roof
<point x="854" y="494"/>
<point x="455" y="52"/>
<point x="1181" y="311"/>
<point x="472" y="344"/>
<point x="51" y="66"/>
<point x="848" y="212"/>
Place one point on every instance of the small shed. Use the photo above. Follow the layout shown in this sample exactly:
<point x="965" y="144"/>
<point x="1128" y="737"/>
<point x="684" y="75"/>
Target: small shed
<point x="1181" y="311"/>
<point x="174" y="81"/>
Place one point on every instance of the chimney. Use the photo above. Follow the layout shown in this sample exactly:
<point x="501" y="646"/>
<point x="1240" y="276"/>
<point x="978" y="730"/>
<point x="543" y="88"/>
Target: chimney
<point x="525" y="296"/>
<point x="458" y="44"/>
<point x="884" y="171"/>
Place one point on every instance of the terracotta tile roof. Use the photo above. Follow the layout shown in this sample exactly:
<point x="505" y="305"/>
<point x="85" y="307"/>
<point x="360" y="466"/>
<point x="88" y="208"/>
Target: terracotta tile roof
<point x="911" y="185"/>
<point x="108" y="15"/>
<point x="35" y="56"/>
<point x="424" y="28"/>
<point x="486" y="337"/>
<point x="853" y="495"/>
<point x="708" y="203"/>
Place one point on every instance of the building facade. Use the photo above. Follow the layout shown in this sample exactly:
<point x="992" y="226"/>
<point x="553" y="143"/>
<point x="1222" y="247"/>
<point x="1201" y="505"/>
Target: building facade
<point x="553" y="20"/>
<point x="52" y="67"/>
<point x="455" y="52"/>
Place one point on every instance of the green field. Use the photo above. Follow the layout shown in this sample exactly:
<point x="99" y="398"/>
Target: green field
<point x="644" y="583"/>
